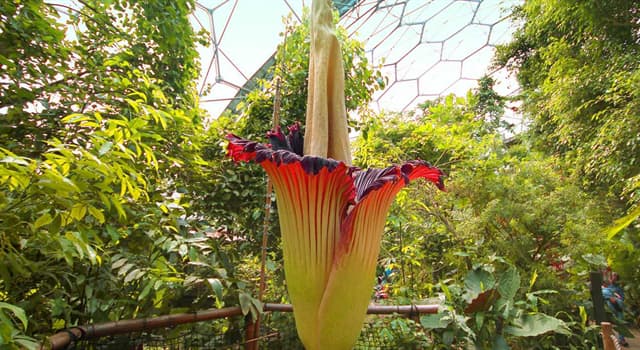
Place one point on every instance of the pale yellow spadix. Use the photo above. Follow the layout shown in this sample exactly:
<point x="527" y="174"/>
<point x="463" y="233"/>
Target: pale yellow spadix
<point x="326" y="133"/>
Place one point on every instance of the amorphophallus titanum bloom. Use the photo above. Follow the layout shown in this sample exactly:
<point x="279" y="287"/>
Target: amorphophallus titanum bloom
<point x="332" y="215"/>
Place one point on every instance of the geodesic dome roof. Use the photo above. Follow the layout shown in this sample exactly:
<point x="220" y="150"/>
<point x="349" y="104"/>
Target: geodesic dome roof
<point x="427" y="48"/>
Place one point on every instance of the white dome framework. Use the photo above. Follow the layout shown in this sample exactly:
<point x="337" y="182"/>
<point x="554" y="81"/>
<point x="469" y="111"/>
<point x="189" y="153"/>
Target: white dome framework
<point x="426" y="49"/>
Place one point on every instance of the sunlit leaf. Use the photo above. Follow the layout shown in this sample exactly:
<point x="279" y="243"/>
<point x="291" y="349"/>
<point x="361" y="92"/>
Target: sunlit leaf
<point x="44" y="219"/>
<point x="96" y="213"/>
<point x="78" y="211"/>
<point x="106" y="147"/>
<point x="622" y="223"/>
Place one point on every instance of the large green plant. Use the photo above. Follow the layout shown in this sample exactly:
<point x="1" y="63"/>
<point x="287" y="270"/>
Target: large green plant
<point x="100" y="141"/>
<point x="488" y="311"/>
<point x="577" y="64"/>
<point x="503" y="198"/>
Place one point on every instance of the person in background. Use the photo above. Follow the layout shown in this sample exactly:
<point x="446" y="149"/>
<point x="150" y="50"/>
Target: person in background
<point x="614" y="298"/>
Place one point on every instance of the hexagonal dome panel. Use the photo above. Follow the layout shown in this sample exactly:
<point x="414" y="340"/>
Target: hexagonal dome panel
<point x="449" y="21"/>
<point x="398" y="95"/>
<point x="399" y="43"/>
<point x="476" y="65"/>
<point x="465" y="42"/>
<point x="419" y="60"/>
<point x="491" y="11"/>
<point x="437" y="79"/>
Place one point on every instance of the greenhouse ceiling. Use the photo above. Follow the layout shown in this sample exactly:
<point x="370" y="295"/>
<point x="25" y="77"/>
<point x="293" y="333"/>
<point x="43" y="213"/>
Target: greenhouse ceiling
<point x="426" y="49"/>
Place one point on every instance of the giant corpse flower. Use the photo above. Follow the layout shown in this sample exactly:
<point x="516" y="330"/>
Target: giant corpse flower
<point x="332" y="216"/>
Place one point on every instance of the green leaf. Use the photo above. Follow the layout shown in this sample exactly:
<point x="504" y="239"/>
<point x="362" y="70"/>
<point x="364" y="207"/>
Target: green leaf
<point x="78" y="211"/>
<point x="26" y="342"/>
<point x="435" y="321"/>
<point x="146" y="290"/>
<point x="116" y="204"/>
<point x="509" y="283"/>
<point x="448" y="337"/>
<point x="132" y="275"/>
<point x="106" y="147"/>
<point x="96" y="213"/>
<point x="479" y="319"/>
<point x="44" y="219"/>
<point x="583" y="315"/>
<point x="216" y="287"/>
<point x="75" y="118"/>
<point x="476" y="282"/>
<point x="534" y="278"/>
<point x="257" y="308"/>
<point x="622" y="223"/>
<point x="17" y="312"/>
<point x="93" y="256"/>
<point x="446" y="291"/>
<point x="55" y="225"/>
<point x="125" y="269"/>
<point x="245" y="302"/>
<point x="535" y="324"/>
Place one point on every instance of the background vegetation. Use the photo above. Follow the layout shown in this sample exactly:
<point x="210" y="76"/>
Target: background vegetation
<point x="117" y="202"/>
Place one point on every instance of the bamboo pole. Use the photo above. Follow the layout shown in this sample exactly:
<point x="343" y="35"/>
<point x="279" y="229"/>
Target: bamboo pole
<point x="371" y="310"/>
<point x="62" y="339"/>
<point x="253" y="329"/>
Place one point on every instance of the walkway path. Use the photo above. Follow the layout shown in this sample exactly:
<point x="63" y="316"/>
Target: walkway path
<point x="634" y="343"/>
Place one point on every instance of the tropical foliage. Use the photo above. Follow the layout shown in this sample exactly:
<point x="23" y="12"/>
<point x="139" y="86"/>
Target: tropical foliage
<point x="509" y="214"/>
<point x="97" y="132"/>
<point x="577" y="63"/>
<point x="117" y="201"/>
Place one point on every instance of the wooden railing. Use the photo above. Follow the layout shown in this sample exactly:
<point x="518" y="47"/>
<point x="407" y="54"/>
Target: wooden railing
<point x="63" y="338"/>
<point x="609" y="339"/>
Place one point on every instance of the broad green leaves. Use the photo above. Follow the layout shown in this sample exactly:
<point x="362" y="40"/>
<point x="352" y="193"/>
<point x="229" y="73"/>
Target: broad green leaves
<point x="13" y="321"/>
<point x="15" y="311"/>
<point x="100" y="141"/>
<point x="488" y="311"/>
<point x="536" y="324"/>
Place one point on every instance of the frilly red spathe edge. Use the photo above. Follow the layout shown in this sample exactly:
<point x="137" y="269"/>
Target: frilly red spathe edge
<point x="287" y="149"/>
